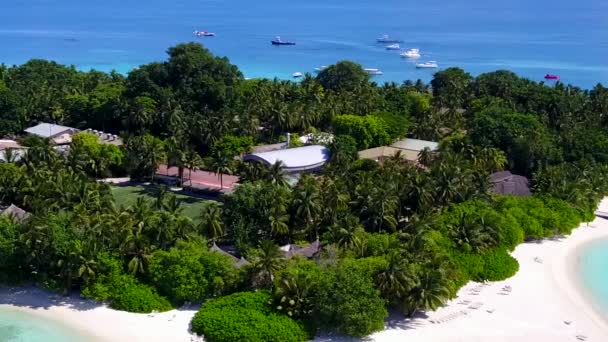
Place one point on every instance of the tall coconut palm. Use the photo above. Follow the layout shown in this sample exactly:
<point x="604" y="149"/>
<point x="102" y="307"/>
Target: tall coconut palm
<point x="266" y="262"/>
<point x="397" y="279"/>
<point x="276" y="174"/>
<point x="211" y="221"/>
<point x="193" y="162"/>
<point x="307" y="202"/>
<point x="430" y="293"/>
<point x="221" y="164"/>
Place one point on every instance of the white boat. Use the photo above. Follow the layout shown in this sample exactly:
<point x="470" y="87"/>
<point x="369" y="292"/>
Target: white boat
<point x="296" y="74"/>
<point x="204" y="34"/>
<point x="393" y="47"/>
<point x="321" y="68"/>
<point x="373" y="71"/>
<point x="387" y="40"/>
<point x="411" y="53"/>
<point x="427" y="65"/>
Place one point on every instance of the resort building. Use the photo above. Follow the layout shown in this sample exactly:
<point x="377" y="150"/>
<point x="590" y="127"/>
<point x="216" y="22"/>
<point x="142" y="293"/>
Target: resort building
<point x="10" y="149"/>
<point x="238" y="262"/>
<point x="15" y="212"/>
<point x="506" y="183"/>
<point x="409" y="150"/>
<point x="295" y="160"/>
<point x="59" y="135"/>
<point x="62" y="135"/>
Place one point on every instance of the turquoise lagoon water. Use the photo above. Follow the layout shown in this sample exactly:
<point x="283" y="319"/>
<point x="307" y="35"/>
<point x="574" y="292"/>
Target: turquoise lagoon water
<point x="532" y="38"/>
<point x="17" y="326"/>
<point x="593" y="268"/>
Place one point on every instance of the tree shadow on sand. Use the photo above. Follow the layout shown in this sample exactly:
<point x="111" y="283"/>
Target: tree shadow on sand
<point x="36" y="298"/>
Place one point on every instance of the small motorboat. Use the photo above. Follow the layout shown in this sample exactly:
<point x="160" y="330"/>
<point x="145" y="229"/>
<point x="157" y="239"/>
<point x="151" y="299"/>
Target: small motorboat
<point x="388" y="40"/>
<point x="393" y="47"/>
<point x="373" y="71"/>
<point x="551" y="77"/>
<point x="411" y="53"/>
<point x="204" y="34"/>
<point x="427" y="65"/>
<point x="278" y="41"/>
<point x="296" y="74"/>
<point x="321" y="68"/>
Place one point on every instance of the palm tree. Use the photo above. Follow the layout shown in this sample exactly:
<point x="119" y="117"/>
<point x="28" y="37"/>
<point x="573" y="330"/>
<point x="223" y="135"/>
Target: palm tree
<point x="10" y="156"/>
<point x="221" y="164"/>
<point x="211" y="220"/>
<point x="307" y="202"/>
<point x="295" y="295"/>
<point x="193" y="162"/>
<point x="176" y="157"/>
<point x="276" y="174"/>
<point x="425" y="157"/>
<point x="266" y="261"/>
<point x="430" y="293"/>
<point x="397" y="278"/>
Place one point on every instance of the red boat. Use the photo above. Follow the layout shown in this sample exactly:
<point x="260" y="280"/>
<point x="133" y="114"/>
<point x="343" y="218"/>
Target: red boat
<point x="551" y="77"/>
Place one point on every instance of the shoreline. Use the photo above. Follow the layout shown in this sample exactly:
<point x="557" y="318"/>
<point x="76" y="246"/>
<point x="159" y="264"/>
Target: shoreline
<point x="97" y="322"/>
<point x="547" y="303"/>
<point x="581" y="292"/>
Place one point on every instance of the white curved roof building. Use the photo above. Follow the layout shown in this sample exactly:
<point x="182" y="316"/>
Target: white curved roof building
<point x="298" y="159"/>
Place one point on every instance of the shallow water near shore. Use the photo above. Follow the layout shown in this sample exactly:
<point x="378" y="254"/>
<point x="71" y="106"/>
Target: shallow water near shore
<point x="593" y="269"/>
<point x="531" y="38"/>
<point x="18" y="326"/>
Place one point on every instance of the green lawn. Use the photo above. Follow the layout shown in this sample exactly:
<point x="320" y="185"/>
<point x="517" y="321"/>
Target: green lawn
<point x="127" y="195"/>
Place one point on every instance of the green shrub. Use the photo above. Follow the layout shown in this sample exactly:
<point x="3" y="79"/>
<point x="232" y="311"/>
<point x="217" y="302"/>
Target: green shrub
<point x="498" y="264"/>
<point x="123" y="291"/>
<point x="245" y="316"/>
<point x="348" y="301"/>
<point x="191" y="273"/>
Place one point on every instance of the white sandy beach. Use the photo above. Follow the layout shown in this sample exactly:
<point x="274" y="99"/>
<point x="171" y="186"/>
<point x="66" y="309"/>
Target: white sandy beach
<point x="544" y="297"/>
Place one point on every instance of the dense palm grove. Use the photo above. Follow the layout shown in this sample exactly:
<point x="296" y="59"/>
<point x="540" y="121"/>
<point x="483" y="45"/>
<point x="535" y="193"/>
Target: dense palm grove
<point x="394" y="236"/>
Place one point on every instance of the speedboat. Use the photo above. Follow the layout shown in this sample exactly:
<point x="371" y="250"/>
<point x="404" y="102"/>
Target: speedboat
<point x="551" y="77"/>
<point x="427" y="65"/>
<point x="393" y="47"/>
<point x="386" y="39"/>
<point x="411" y="53"/>
<point x="277" y="41"/>
<point x="296" y="74"/>
<point x="204" y="34"/>
<point x="373" y="71"/>
<point x="321" y="68"/>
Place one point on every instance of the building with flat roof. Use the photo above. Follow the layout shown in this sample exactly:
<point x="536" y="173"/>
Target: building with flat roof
<point x="298" y="159"/>
<point x="409" y="149"/>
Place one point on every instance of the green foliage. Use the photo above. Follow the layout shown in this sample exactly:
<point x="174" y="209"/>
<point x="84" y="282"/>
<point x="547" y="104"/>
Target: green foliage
<point x="368" y="131"/>
<point x="233" y="145"/>
<point x="343" y="76"/>
<point x="348" y="302"/>
<point x="143" y="154"/>
<point x="191" y="273"/>
<point x="397" y="124"/>
<point x="245" y="316"/>
<point x="88" y="154"/>
<point x="123" y="291"/>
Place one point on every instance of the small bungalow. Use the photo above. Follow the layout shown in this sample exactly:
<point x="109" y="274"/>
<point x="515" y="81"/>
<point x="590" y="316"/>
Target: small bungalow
<point x="506" y="183"/>
<point x="15" y="212"/>
<point x="238" y="262"/>
<point x="309" y="251"/>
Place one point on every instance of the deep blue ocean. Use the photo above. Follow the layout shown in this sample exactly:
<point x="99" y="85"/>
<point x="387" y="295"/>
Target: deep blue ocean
<point x="530" y="37"/>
